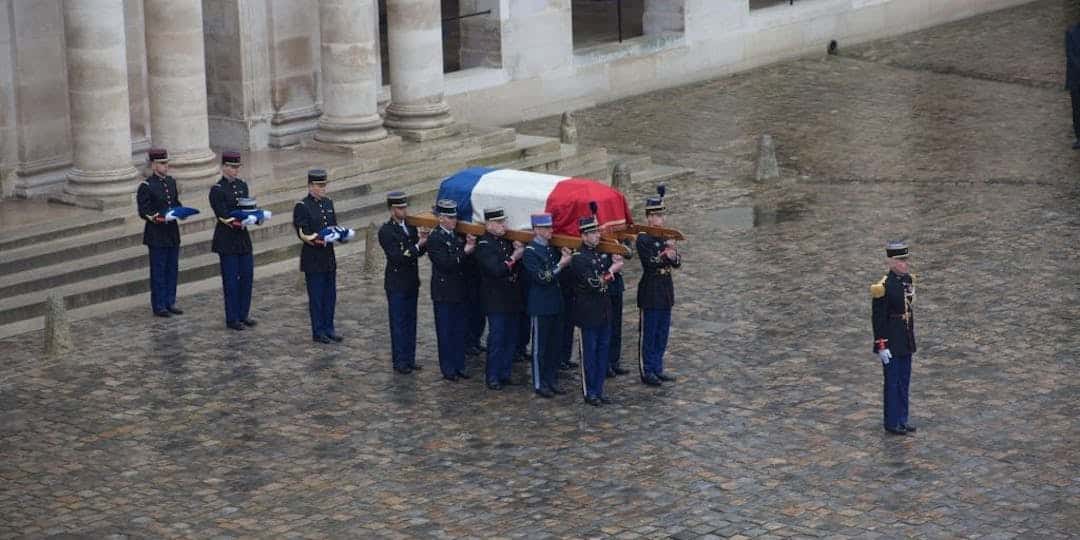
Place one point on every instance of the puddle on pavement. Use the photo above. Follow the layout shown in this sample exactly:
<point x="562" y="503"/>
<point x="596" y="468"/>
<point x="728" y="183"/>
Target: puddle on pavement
<point x="748" y="217"/>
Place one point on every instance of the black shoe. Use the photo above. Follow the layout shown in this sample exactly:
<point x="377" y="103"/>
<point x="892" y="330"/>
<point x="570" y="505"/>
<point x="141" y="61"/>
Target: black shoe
<point x="165" y="314"/>
<point x="610" y="374"/>
<point x="463" y="375"/>
<point x="403" y="370"/>
<point x="910" y="428"/>
<point x="321" y="339"/>
<point x="620" y="371"/>
<point x="494" y="386"/>
<point x="606" y="400"/>
<point x="545" y="393"/>
<point x="175" y="310"/>
<point x="665" y="377"/>
<point x="651" y="380"/>
<point x="336" y="338"/>
<point x="593" y="400"/>
<point x="899" y="430"/>
<point x="558" y="390"/>
<point x="235" y="325"/>
<point x="451" y="377"/>
<point x="249" y="322"/>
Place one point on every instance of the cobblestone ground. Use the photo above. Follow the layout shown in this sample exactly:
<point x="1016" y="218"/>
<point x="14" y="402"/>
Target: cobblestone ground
<point x="180" y="428"/>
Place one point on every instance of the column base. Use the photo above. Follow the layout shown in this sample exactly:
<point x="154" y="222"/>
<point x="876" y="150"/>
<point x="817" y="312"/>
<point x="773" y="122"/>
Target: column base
<point x="350" y="131"/>
<point x="421" y="121"/>
<point x="194" y="168"/>
<point x="387" y="144"/>
<point x="99" y="189"/>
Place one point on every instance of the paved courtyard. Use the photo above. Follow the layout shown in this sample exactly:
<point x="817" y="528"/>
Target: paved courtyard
<point x="955" y="137"/>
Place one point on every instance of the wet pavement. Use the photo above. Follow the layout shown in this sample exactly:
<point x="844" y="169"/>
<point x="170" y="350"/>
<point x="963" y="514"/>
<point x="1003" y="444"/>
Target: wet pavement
<point x="181" y="428"/>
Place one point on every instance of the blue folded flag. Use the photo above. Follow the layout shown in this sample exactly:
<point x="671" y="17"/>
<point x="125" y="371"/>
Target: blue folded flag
<point x="251" y="217"/>
<point x="180" y="212"/>
<point x="334" y="234"/>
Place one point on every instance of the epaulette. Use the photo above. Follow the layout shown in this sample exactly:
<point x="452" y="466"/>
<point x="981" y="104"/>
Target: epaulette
<point x="912" y="278"/>
<point x="530" y="246"/>
<point x="877" y="290"/>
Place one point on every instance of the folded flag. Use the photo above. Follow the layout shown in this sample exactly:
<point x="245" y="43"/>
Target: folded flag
<point x="251" y="217"/>
<point x="336" y="234"/>
<point x="179" y="212"/>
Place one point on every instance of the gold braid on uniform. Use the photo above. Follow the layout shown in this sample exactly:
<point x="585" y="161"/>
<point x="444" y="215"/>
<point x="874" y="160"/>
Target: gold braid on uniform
<point x="877" y="290"/>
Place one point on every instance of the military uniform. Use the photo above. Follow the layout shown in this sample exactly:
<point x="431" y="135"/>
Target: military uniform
<point x="655" y="298"/>
<point x="310" y="216"/>
<point x="615" y="291"/>
<point x="592" y="313"/>
<point x="155" y="196"/>
<point x="449" y="293"/>
<point x="232" y="243"/>
<point x="501" y="293"/>
<point x="894" y="339"/>
<point x="566" y="340"/>
<point x="545" y="309"/>
<point x="401" y="281"/>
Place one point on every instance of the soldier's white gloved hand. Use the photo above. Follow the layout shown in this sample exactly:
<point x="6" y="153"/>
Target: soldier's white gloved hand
<point x="885" y="355"/>
<point x="250" y="220"/>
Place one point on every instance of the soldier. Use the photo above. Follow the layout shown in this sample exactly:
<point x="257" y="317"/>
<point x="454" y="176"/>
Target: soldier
<point x="894" y="335"/>
<point x="312" y="215"/>
<point x="449" y="254"/>
<point x="592" y="309"/>
<point x="543" y="264"/>
<point x="161" y="234"/>
<point x="232" y="242"/>
<point x="655" y="296"/>
<point x="403" y="245"/>
<point x="566" y="338"/>
<point x="498" y="258"/>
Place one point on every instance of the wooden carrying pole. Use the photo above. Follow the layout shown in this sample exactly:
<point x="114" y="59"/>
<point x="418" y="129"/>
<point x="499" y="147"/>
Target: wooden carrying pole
<point x="428" y="220"/>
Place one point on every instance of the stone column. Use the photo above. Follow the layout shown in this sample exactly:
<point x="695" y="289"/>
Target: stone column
<point x="350" y="84"/>
<point x="98" y="95"/>
<point x="417" y="110"/>
<point x="177" y="84"/>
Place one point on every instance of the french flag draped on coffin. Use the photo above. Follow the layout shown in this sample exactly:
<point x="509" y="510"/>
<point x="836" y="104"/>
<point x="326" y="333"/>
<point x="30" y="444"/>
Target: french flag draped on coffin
<point x="523" y="193"/>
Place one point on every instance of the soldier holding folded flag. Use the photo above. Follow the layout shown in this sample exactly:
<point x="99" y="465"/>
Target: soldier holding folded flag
<point x="316" y="225"/>
<point x="159" y="205"/>
<point x="232" y="242"/>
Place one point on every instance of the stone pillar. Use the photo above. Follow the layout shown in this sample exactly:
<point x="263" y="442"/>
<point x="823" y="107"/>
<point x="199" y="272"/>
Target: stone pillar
<point x="136" y="68"/>
<point x="98" y="95"/>
<point x="417" y="110"/>
<point x="350" y="84"/>
<point x="177" y="81"/>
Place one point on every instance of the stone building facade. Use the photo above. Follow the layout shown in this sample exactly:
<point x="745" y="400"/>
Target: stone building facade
<point x="86" y="86"/>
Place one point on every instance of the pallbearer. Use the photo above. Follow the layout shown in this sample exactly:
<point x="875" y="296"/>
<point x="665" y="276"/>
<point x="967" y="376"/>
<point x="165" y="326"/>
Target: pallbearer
<point x="232" y="242"/>
<point x="450" y="255"/>
<point x="655" y="295"/>
<point x="499" y="258"/>
<point x="543" y="264"/>
<point x="592" y="309"/>
<point x="317" y="227"/>
<point x="403" y="245"/>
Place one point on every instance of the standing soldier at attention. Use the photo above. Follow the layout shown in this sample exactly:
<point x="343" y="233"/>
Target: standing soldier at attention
<point x="403" y="245"/>
<point x="312" y="215"/>
<point x="615" y="293"/>
<point x="655" y="295"/>
<point x="156" y="196"/>
<point x="592" y="309"/>
<point x="894" y="335"/>
<point x="449" y="254"/>
<point x="498" y="258"/>
<point x="543" y="264"/>
<point x="232" y="242"/>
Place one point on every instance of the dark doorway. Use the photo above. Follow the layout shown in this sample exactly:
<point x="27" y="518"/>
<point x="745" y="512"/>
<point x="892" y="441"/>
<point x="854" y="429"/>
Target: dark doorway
<point x="598" y="21"/>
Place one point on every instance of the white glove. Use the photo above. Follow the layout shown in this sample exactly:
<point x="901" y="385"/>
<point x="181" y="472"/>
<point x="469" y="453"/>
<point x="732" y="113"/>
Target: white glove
<point x="265" y="216"/>
<point x="250" y="220"/>
<point x="345" y="234"/>
<point x="885" y="356"/>
<point x="331" y="238"/>
<point x="169" y="216"/>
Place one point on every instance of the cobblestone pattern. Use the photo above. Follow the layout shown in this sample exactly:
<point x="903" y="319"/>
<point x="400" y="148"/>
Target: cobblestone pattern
<point x="181" y="428"/>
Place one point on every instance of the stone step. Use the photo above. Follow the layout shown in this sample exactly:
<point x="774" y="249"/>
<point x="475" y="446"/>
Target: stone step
<point x="70" y="247"/>
<point x="22" y="236"/>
